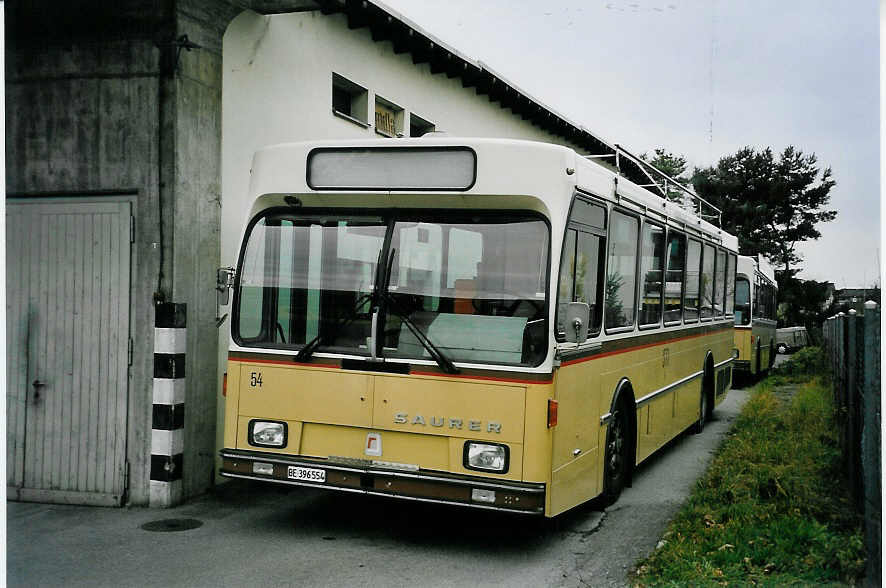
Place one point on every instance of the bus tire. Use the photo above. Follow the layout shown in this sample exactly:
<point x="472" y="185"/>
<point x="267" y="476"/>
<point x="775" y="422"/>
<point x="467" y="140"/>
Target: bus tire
<point x="616" y="462"/>
<point x="698" y="426"/>
<point x="707" y="387"/>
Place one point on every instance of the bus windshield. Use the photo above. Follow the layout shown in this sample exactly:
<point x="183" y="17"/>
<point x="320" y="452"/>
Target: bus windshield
<point x="473" y="285"/>
<point x="742" y="301"/>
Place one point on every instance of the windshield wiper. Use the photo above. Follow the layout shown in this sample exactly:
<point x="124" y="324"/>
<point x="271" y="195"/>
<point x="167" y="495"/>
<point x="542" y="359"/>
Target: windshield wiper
<point x="444" y="362"/>
<point x="307" y="351"/>
<point x="380" y="294"/>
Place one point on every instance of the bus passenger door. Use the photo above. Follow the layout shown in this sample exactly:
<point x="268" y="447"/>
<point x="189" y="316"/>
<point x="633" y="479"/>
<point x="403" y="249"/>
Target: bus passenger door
<point x="575" y="455"/>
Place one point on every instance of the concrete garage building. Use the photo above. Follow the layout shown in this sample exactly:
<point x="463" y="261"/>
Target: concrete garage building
<point x="130" y="129"/>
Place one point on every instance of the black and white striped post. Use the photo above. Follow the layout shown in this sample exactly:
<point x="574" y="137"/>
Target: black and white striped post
<point x="167" y="426"/>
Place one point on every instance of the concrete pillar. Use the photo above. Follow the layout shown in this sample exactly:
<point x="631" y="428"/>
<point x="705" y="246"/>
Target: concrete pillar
<point x="192" y="168"/>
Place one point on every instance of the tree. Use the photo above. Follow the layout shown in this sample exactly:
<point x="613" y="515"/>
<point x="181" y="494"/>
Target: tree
<point x="669" y="163"/>
<point x="614" y="311"/>
<point x="674" y="166"/>
<point x="771" y="203"/>
<point x="803" y="303"/>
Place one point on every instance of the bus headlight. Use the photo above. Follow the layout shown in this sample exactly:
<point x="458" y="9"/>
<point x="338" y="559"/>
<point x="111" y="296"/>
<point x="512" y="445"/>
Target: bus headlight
<point x="267" y="433"/>
<point x="486" y="457"/>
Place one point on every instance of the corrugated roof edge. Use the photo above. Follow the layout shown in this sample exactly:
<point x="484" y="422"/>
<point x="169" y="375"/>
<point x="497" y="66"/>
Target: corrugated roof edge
<point x="387" y="24"/>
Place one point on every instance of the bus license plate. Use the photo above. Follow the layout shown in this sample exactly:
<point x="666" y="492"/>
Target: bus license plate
<point x="306" y="474"/>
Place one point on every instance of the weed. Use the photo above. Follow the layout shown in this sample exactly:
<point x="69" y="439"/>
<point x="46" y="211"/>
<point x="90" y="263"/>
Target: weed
<point x="770" y="509"/>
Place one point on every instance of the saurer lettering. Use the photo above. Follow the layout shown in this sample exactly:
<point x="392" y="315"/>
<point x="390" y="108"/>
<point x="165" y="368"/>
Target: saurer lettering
<point x="403" y="418"/>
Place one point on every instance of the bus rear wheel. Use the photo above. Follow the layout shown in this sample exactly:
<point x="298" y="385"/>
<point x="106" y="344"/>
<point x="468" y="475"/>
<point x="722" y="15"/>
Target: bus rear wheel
<point x="615" y="469"/>
<point x="698" y="427"/>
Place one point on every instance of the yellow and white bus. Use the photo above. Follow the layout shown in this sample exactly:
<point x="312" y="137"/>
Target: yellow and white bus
<point x="756" y="294"/>
<point x="489" y="323"/>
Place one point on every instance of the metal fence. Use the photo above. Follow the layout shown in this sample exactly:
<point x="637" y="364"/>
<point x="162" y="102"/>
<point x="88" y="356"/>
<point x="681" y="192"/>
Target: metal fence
<point x="852" y="343"/>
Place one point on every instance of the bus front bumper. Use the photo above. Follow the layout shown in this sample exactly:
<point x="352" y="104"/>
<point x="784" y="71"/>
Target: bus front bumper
<point x="364" y="477"/>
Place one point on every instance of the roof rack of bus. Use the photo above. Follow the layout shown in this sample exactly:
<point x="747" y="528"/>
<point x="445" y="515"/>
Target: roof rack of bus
<point x="664" y="185"/>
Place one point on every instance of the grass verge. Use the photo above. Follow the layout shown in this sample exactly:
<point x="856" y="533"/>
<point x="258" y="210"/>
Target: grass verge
<point x="771" y="509"/>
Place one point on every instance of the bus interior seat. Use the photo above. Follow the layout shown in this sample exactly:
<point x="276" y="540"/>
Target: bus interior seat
<point x="465" y="290"/>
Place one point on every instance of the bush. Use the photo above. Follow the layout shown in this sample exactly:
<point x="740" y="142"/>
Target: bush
<point x="809" y="361"/>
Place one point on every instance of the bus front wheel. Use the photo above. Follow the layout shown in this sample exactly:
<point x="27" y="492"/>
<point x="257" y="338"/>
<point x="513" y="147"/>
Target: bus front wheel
<point x="615" y="472"/>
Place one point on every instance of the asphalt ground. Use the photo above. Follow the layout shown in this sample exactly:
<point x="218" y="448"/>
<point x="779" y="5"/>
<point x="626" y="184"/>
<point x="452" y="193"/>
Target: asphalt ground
<point x="251" y="534"/>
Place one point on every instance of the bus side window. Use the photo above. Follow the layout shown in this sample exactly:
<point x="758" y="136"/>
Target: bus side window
<point x="567" y="279"/>
<point x="252" y="282"/>
<point x="693" y="283"/>
<point x="720" y="283"/>
<point x="582" y="264"/>
<point x="676" y="257"/>
<point x="621" y="271"/>
<point x="707" y="282"/>
<point x="757" y="308"/>
<point x="651" y="273"/>
<point x="589" y="263"/>
<point x="730" y="284"/>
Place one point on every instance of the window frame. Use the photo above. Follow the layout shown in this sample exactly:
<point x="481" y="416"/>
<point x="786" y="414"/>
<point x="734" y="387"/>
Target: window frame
<point x="712" y="316"/>
<point x="697" y="318"/>
<point x="731" y="261"/>
<point x="750" y="313"/>
<point x="640" y="280"/>
<point x="685" y="255"/>
<point x="390" y="217"/>
<point x="419" y="122"/>
<point x="399" y="117"/>
<point x="639" y="218"/>
<point x="353" y="90"/>
<point x="579" y="227"/>
<point x="718" y="252"/>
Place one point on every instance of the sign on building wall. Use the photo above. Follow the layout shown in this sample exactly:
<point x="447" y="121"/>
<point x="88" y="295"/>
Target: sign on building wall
<point x="385" y="121"/>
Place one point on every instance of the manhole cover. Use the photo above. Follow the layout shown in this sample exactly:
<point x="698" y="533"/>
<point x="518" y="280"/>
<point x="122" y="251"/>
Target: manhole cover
<point x="172" y="525"/>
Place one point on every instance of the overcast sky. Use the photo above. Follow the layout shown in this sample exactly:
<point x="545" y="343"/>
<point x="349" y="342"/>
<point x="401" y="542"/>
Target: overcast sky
<point x="702" y="78"/>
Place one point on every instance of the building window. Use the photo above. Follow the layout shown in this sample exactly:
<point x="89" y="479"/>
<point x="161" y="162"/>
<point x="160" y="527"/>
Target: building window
<point x="419" y="126"/>
<point x="349" y="100"/>
<point x="388" y="118"/>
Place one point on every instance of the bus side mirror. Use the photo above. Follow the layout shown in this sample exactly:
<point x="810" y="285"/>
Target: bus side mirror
<point x="223" y="282"/>
<point x="577" y="319"/>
